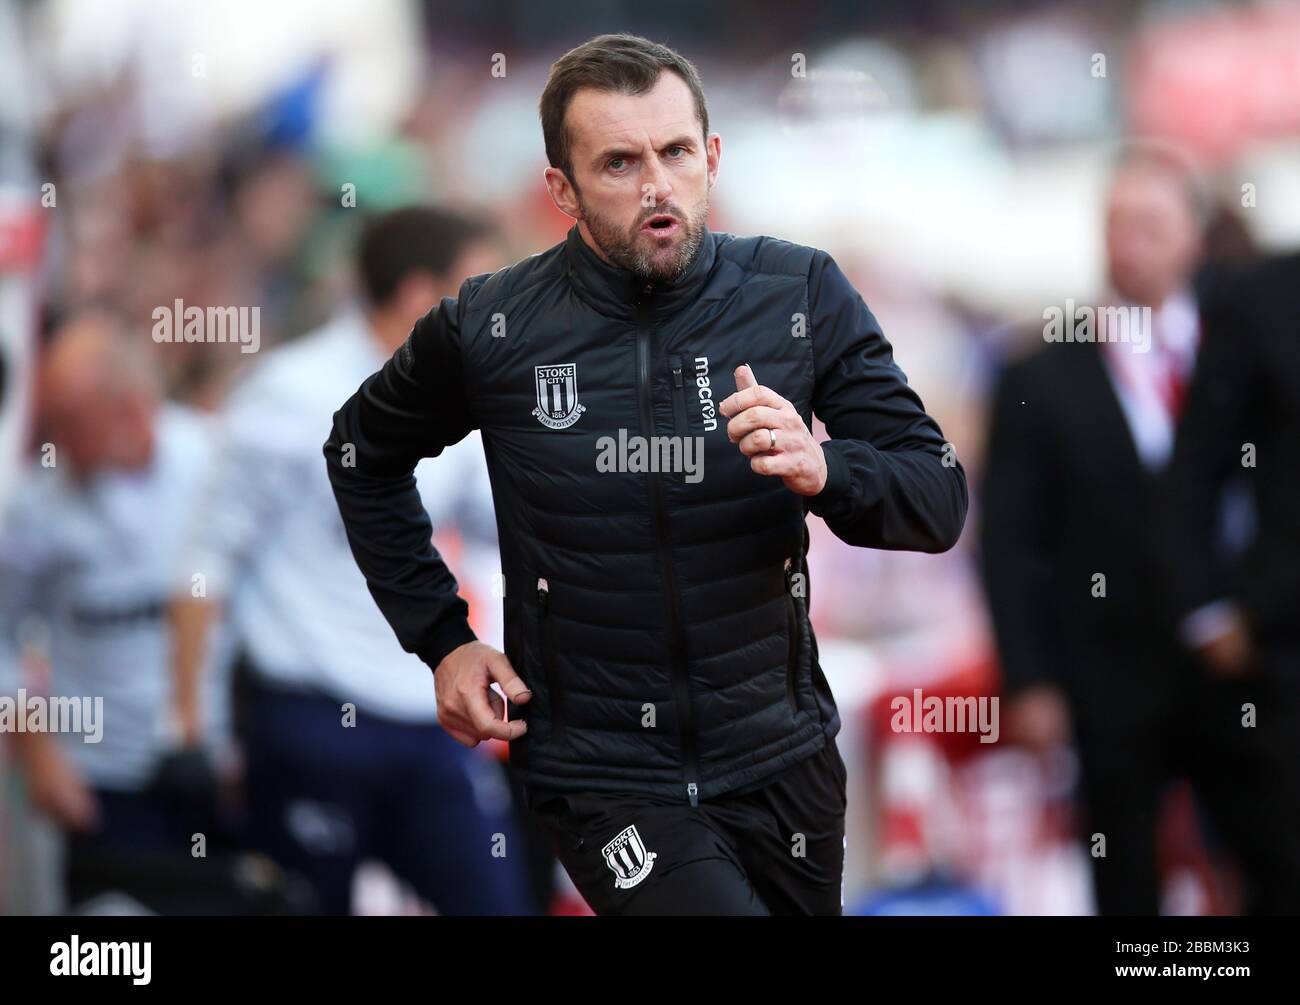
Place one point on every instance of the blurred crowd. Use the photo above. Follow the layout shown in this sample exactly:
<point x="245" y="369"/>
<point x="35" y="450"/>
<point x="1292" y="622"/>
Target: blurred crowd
<point x="322" y="174"/>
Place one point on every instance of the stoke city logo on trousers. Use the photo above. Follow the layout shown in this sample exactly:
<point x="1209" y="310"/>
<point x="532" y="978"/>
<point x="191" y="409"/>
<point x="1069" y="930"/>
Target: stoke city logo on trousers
<point x="626" y="855"/>
<point x="557" y="395"/>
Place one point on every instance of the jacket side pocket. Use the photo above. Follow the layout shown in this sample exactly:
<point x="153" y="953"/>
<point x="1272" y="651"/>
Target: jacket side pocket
<point x="546" y="648"/>
<point x="793" y="633"/>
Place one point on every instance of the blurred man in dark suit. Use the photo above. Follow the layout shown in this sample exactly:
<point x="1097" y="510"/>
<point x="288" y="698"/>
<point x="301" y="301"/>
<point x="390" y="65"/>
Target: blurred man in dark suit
<point x="1081" y="435"/>
<point x="1241" y="612"/>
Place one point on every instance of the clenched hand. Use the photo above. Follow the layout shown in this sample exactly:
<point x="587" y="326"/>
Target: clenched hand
<point x="797" y="459"/>
<point x="468" y="709"/>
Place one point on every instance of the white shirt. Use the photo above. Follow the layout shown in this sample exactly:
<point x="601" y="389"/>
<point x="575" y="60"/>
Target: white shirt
<point x="96" y="563"/>
<point x="1140" y="379"/>
<point x="272" y="541"/>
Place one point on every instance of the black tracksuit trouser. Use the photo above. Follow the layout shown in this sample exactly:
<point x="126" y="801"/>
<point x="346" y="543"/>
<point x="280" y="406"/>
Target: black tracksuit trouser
<point x="775" y="848"/>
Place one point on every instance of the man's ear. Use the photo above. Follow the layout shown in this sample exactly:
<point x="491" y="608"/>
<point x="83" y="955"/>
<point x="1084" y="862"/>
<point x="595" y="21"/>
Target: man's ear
<point x="563" y="193"/>
<point x="713" y="156"/>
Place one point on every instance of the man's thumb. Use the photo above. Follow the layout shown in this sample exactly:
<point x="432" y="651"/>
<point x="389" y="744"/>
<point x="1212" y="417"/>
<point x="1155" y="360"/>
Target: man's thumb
<point x="500" y="670"/>
<point x="745" y="377"/>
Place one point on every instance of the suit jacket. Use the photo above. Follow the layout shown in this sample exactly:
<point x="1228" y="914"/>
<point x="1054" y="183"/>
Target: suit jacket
<point x="1245" y="394"/>
<point x="1065" y="500"/>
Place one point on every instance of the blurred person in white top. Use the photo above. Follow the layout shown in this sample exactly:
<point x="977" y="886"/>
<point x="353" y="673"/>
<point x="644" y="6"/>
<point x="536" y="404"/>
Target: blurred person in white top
<point x="345" y="760"/>
<point x="90" y="549"/>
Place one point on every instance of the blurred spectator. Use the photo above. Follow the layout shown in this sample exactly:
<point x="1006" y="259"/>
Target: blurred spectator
<point x="1238" y="604"/>
<point x="345" y="759"/>
<point x="90" y="550"/>
<point x="1228" y="243"/>
<point x="1081" y="432"/>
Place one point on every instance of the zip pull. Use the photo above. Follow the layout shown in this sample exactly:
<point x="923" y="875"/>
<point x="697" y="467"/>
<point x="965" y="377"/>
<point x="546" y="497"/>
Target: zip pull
<point x="676" y="363"/>
<point x="693" y="793"/>
<point x="543" y="594"/>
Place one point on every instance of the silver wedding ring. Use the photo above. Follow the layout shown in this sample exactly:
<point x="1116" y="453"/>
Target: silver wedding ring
<point x="772" y="444"/>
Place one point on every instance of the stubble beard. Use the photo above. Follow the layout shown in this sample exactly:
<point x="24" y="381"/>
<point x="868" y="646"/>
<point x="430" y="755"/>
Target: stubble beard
<point x="638" y="253"/>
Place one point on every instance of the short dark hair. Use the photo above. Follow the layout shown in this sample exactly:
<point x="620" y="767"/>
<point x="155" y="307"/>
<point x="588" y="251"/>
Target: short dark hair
<point x="412" y="239"/>
<point x="623" y="63"/>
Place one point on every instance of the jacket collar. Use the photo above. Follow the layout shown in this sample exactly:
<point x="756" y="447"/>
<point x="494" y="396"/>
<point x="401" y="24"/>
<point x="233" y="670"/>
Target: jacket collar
<point x="615" y="292"/>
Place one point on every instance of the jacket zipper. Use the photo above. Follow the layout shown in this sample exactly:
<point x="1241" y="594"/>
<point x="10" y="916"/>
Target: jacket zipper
<point x="792" y="622"/>
<point x="549" y="671"/>
<point x="681" y="687"/>
<point x="679" y="397"/>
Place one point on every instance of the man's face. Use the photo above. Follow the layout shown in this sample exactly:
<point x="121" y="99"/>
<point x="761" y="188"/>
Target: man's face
<point x="642" y="170"/>
<point x="98" y="430"/>
<point x="418" y="290"/>
<point x="1152" y="237"/>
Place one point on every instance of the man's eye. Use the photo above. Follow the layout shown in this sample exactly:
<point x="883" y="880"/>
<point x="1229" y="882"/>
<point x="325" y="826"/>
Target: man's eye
<point x="616" y="164"/>
<point x="680" y="151"/>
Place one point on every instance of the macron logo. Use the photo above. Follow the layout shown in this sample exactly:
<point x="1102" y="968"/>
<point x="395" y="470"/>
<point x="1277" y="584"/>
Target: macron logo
<point x="707" y="411"/>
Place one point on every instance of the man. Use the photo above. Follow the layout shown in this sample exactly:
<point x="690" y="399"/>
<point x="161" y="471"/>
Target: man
<point x="666" y="708"/>
<point x="1238" y="612"/>
<point x="345" y="760"/>
<point x="91" y="547"/>
<point x="1081" y="433"/>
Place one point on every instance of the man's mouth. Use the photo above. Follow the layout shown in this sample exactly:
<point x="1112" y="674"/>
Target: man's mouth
<point x="661" y="225"/>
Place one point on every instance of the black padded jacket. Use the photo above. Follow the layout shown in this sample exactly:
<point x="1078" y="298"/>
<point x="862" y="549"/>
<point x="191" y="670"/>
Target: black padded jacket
<point x="659" y="616"/>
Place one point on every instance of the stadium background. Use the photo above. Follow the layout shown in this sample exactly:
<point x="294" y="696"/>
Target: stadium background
<point x="951" y="157"/>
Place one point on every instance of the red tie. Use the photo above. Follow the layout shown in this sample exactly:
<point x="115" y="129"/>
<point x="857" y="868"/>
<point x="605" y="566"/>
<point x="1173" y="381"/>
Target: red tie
<point x="1173" y="388"/>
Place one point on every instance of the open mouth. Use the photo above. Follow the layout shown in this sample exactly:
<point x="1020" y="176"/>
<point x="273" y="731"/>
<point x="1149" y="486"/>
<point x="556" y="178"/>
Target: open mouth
<point x="661" y="225"/>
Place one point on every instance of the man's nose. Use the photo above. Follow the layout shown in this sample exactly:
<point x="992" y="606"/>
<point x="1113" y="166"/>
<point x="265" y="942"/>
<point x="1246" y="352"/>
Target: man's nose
<point x="655" y="181"/>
